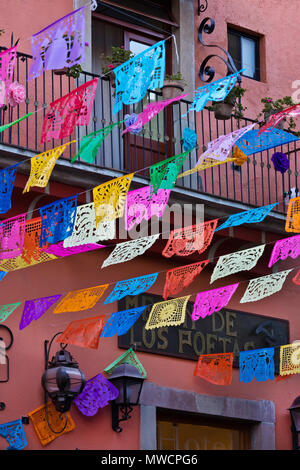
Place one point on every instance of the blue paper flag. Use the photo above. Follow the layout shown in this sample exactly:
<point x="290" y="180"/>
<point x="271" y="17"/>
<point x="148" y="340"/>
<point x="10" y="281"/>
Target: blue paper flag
<point x="252" y="216"/>
<point x="143" y="72"/>
<point x="251" y="143"/>
<point x="14" y="433"/>
<point x="258" y="364"/>
<point x="2" y="274"/>
<point x="120" y="322"/>
<point x="134" y="286"/>
<point x="215" y="91"/>
<point x="58" y="220"/>
<point x="7" y="179"/>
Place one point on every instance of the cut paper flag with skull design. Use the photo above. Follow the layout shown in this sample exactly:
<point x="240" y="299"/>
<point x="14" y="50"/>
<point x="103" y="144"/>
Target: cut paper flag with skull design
<point x="187" y="240"/>
<point x="145" y="71"/>
<point x="258" y="364"/>
<point x="73" y="109"/>
<point x="7" y="63"/>
<point x="212" y="301"/>
<point x="236" y="262"/>
<point x="140" y="205"/>
<point x="42" y="166"/>
<point x="97" y="393"/>
<point x="265" y="286"/>
<point x="134" y="286"/>
<point x="129" y="250"/>
<point x="110" y="198"/>
<point x="151" y="110"/>
<point x="215" y="91"/>
<point x="168" y="313"/>
<point x="59" y="45"/>
<point x="253" y="216"/>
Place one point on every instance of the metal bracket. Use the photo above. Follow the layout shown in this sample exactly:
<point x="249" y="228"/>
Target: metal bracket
<point x="207" y="26"/>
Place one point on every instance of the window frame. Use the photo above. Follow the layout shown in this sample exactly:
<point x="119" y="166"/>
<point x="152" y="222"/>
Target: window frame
<point x="242" y="34"/>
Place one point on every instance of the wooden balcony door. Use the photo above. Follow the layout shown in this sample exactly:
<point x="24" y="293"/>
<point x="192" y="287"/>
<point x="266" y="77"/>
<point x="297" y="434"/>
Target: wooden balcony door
<point x="150" y="146"/>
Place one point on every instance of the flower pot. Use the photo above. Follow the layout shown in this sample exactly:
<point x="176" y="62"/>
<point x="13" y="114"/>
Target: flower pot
<point x="62" y="71"/>
<point x="171" y="89"/>
<point x="223" y="111"/>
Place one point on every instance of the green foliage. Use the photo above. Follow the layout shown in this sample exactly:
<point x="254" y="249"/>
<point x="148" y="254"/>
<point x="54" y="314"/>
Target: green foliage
<point x="177" y="77"/>
<point x="119" y="55"/>
<point x="271" y="106"/>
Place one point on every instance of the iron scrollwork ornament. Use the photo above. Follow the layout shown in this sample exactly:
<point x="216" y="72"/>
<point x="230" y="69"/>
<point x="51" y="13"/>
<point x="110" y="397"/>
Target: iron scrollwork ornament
<point x="202" y="6"/>
<point x="207" y="72"/>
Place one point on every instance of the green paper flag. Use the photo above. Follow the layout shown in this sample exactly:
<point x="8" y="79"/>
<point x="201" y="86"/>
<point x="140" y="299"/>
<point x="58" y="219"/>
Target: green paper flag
<point x="6" y="126"/>
<point x="129" y="357"/>
<point x="90" y="143"/>
<point x="6" y="310"/>
<point x="163" y="175"/>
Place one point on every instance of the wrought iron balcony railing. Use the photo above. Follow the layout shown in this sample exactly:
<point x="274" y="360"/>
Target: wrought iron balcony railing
<point x="255" y="184"/>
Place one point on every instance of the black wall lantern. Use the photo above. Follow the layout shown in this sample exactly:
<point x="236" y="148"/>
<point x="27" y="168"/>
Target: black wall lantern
<point x="127" y="379"/>
<point x="62" y="379"/>
<point x="295" y="418"/>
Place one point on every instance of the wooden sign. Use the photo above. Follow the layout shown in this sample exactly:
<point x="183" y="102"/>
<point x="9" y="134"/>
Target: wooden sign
<point x="224" y="331"/>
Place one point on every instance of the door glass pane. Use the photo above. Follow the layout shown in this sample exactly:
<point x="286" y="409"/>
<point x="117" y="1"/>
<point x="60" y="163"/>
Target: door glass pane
<point x="153" y="129"/>
<point x="248" y="56"/>
<point x="187" y="436"/>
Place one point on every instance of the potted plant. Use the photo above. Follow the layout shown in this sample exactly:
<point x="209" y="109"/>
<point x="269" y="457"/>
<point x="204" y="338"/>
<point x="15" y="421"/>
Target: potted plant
<point x="230" y="106"/>
<point x="173" y="86"/>
<point x="271" y="106"/>
<point x="118" y="56"/>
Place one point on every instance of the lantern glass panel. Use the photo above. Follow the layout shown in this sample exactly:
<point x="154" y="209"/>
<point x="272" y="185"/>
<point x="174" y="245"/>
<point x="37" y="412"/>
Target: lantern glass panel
<point x="295" y="413"/>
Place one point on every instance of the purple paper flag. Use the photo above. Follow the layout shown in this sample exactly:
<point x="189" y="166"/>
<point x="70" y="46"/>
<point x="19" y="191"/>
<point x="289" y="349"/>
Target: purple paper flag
<point x="59" y="45"/>
<point x="34" y="309"/>
<point x="96" y="394"/>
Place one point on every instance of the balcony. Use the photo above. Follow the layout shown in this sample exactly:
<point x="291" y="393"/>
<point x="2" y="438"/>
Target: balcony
<point x="256" y="184"/>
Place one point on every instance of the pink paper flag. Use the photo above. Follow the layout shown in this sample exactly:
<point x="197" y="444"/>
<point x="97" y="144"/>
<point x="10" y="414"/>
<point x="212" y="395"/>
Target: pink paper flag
<point x="211" y="301"/>
<point x="73" y="109"/>
<point x="7" y="63"/>
<point x="141" y="206"/>
<point x="59" y="250"/>
<point x="12" y="232"/>
<point x="285" y="248"/>
<point x="150" y="111"/>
